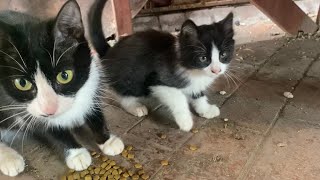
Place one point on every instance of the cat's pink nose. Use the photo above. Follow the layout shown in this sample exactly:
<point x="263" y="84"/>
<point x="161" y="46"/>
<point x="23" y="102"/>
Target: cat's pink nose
<point x="215" y="70"/>
<point x="50" y="110"/>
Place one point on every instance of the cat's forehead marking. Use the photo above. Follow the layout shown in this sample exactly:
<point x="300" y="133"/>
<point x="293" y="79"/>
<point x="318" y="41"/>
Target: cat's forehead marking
<point x="214" y="53"/>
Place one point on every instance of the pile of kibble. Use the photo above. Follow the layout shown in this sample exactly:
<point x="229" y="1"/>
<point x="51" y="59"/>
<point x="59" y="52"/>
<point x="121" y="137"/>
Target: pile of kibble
<point x="105" y="168"/>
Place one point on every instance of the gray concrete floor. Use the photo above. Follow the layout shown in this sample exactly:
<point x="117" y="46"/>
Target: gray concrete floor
<point x="267" y="136"/>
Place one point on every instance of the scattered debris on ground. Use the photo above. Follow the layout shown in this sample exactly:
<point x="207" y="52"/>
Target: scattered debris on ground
<point x="281" y="144"/>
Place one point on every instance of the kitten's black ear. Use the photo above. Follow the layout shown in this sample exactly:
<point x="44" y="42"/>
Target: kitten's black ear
<point x="227" y="25"/>
<point x="189" y="29"/>
<point x="69" y="22"/>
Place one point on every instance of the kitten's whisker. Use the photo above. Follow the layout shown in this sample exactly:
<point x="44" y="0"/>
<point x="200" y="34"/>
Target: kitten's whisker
<point x="236" y="77"/>
<point x="19" y="54"/>
<point x="11" y="67"/>
<point x="26" y="131"/>
<point x="14" y="60"/>
<point x="75" y="45"/>
<point x="232" y="79"/>
<point x="12" y="116"/>
<point x="226" y="77"/>
<point x="53" y="53"/>
<point x="8" y="77"/>
<point x="13" y="125"/>
<point x="11" y="108"/>
<point x="51" y="59"/>
<point x="22" y="126"/>
<point x="12" y="105"/>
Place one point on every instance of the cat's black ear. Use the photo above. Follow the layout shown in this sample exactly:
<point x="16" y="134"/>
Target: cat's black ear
<point x="227" y="25"/>
<point x="69" y="22"/>
<point x="189" y="29"/>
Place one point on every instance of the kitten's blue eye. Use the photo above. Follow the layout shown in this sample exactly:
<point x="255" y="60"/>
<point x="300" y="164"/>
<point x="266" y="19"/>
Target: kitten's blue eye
<point x="203" y="58"/>
<point x="223" y="55"/>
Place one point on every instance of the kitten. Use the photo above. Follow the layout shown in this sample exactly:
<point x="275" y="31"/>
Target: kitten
<point x="176" y="70"/>
<point x="49" y="86"/>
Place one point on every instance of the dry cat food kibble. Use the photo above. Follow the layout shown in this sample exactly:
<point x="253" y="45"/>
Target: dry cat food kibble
<point x="164" y="163"/>
<point x="193" y="147"/>
<point x="194" y="131"/>
<point x="104" y="168"/>
<point x="223" y="92"/>
<point x="288" y="95"/>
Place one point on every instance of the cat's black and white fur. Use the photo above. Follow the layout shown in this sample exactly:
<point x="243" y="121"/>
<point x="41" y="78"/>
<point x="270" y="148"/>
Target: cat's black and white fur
<point x="176" y="70"/>
<point x="49" y="87"/>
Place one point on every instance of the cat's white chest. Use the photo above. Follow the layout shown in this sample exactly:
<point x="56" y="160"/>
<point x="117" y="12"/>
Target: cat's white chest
<point x="197" y="84"/>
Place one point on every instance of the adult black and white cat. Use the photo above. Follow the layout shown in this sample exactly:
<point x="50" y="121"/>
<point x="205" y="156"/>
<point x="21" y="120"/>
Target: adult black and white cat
<point x="176" y="70"/>
<point x="49" y="85"/>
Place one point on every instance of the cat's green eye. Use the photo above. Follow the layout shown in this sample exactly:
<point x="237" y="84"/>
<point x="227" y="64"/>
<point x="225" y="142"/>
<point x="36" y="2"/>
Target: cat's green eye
<point x="22" y="84"/>
<point x="65" y="77"/>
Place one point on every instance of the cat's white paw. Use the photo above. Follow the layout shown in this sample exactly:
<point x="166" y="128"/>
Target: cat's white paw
<point x="210" y="112"/>
<point x="113" y="146"/>
<point x="133" y="106"/>
<point x="184" y="122"/>
<point x="11" y="163"/>
<point x="139" y="110"/>
<point x="78" y="159"/>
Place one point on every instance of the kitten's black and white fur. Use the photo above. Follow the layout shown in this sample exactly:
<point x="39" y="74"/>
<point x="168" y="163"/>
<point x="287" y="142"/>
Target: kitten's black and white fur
<point x="176" y="70"/>
<point x="49" y="87"/>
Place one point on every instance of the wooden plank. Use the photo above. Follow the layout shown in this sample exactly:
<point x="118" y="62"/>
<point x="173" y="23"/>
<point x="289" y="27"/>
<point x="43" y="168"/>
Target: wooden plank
<point x="318" y="17"/>
<point x="136" y="6"/>
<point x="199" y="5"/>
<point x="122" y="14"/>
<point x="287" y="15"/>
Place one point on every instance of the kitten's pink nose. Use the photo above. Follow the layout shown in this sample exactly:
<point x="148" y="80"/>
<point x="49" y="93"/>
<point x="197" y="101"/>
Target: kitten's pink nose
<point x="50" y="110"/>
<point x="216" y="70"/>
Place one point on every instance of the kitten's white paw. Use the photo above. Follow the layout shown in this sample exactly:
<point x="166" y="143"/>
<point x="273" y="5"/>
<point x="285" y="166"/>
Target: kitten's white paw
<point x="139" y="110"/>
<point x="11" y="163"/>
<point x="78" y="159"/>
<point x="184" y="122"/>
<point x="113" y="146"/>
<point x="210" y="112"/>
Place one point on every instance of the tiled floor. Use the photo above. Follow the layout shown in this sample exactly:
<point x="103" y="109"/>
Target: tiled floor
<point x="267" y="136"/>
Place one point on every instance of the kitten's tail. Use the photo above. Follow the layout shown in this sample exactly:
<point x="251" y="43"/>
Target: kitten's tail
<point x="95" y="27"/>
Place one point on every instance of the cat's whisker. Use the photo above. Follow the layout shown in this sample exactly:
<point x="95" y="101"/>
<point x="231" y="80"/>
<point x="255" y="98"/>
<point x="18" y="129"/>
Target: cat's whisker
<point x="13" y="125"/>
<point x="18" y="54"/>
<point x="7" y="77"/>
<point x="51" y="59"/>
<point x="53" y="53"/>
<point x="12" y="105"/>
<point x="11" y="108"/>
<point x="21" y="127"/>
<point x="12" y="116"/>
<point x="14" y="60"/>
<point x="26" y="131"/>
<point x="232" y="78"/>
<point x="231" y="73"/>
<point x="235" y="83"/>
<point x="11" y="67"/>
<point x="236" y="77"/>
<point x="226" y="77"/>
<point x="75" y="45"/>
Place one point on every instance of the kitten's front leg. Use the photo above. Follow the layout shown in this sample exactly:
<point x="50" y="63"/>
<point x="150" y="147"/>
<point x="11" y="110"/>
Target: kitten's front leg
<point x="76" y="156"/>
<point x="177" y="103"/>
<point x="202" y="107"/>
<point x="108" y="143"/>
<point x="11" y="162"/>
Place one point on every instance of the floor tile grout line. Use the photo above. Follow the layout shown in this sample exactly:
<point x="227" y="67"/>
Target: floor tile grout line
<point x="244" y="172"/>
<point x="225" y="100"/>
